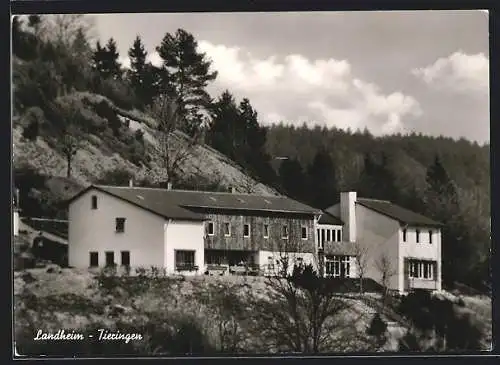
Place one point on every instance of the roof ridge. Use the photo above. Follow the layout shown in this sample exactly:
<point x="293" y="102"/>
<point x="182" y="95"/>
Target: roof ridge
<point x="192" y="191"/>
<point x="376" y="200"/>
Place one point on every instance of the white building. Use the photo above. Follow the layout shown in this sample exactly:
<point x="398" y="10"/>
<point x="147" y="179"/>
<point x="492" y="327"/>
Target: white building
<point x="385" y="239"/>
<point x="187" y="231"/>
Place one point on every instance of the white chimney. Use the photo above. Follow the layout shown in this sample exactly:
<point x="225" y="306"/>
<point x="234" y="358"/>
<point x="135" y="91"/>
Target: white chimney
<point x="131" y="183"/>
<point x="233" y="190"/>
<point x="169" y="186"/>
<point x="16" y="221"/>
<point x="348" y="215"/>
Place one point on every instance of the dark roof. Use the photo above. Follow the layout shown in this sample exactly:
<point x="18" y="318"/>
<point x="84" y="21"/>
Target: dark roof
<point x="396" y="212"/>
<point x="327" y="218"/>
<point x="176" y="204"/>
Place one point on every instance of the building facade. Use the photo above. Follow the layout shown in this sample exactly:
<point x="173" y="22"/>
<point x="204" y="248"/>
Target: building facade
<point x="188" y="231"/>
<point x="387" y="243"/>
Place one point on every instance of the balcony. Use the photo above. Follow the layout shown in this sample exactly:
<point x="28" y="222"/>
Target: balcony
<point x="417" y="283"/>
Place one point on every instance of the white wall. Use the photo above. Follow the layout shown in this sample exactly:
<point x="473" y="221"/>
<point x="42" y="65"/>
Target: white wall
<point x="16" y="222"/>
<point x="422" y="250"/>
<point x="94" y="230"/>
<point x="308" y="259"/>
<point x="380" y="235"/>
<point x="184" y="235"/>
<point x="348" y="215"/>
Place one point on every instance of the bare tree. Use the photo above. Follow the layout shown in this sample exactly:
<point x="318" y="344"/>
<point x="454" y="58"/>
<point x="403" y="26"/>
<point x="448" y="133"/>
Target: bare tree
<point x="361" y="257"/>
<point x="172" y="146"/>
<point x="387" y="271"/>
<point x="299" y="313"/>
<point x="70" y="146"/>
<point x="64" y="28"/>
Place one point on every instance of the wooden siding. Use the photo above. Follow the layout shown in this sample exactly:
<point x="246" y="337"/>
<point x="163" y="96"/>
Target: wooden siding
<point x="257" y="241"/>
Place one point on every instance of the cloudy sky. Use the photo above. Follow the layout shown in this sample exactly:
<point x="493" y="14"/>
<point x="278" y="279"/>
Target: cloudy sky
<point x="423" y="71"/>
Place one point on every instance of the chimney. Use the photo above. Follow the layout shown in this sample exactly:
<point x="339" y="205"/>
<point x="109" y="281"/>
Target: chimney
<point x="233" y="190"/>
<point x="131" y="183"/>
<point x="169" y="186"/>
<point x="348" y="215"/>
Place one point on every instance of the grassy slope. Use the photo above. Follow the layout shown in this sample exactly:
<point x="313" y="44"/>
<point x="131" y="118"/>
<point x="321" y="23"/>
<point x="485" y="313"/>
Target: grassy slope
<point x="95" y="157"/>
<point x="74" y="300"/>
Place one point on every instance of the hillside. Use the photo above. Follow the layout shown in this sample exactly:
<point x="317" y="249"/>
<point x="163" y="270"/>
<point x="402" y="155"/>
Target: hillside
<point x="102" y="152"/>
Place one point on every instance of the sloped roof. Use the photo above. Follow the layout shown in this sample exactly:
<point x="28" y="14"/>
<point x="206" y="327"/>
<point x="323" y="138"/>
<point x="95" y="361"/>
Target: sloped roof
<point x="177" y="204"/>
<point x="327" y="218"/>
<point x="396" y="212"/>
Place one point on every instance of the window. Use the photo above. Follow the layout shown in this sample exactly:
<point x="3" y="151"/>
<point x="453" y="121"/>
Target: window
<point x="338" y="266"/>
<point x="430" y="236"/>
<point x="110" y="258"/>
<point x="210" y="228"/>
<point x="323" y="236"/>
<point x="94" y="202"/>
<point x="417" y="232"/>
<point x="120" y="225"/>
<point x="318" y="234"/>
<point x="304" y="233"/>
<point x="284" y="232"/>
<point x="246" y="230"/>
<point x="227" y="229"/>
<point x="125" y="258"/>
<point x="184" y="260"/>
<point x="266" y="231"/>
<point x="421" y="269"/>
<point x="270" y="263"/>
<point x="404" y="235"/>
<point x="339" y="235"/>
<point x="94" y="259"/>
<point x="327" y="235"/>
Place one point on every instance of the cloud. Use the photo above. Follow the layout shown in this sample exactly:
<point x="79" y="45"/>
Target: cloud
<point x="295" y="89"/>
<point x="459" y="72"/>
<point x="152" y="57"/>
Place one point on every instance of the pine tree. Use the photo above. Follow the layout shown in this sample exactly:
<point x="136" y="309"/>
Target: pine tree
<point x="141" y="75"/>
<point x="293" y="179"/>
<point x="99" y="59"/>
<point x="186" y="74"/>
<point x="226" y="133"/>
<point x="112" y="66"/>
<point x="323" y="180"/>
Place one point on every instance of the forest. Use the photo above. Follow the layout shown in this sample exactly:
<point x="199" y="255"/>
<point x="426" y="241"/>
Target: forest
<point x="443" y="178"/>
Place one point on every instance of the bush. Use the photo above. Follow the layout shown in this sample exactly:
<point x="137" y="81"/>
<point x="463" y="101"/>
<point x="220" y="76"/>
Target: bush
<point x="117" y="176"/>
<point x="377" y="326"/>
<point x="118" y="92"/>
<point x="106" y="111"/>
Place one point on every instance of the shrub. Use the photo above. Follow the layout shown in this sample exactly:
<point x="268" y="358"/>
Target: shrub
<point x="106" y="111"/>
<point x="118" y="92"/>
<point x="32" y="122"/>
<point x="377" y="326"/>
<point x="117" y="176"/>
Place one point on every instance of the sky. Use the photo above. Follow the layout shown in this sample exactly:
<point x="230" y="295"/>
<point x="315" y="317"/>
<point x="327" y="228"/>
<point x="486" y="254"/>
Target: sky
<point x="413" y="71"/>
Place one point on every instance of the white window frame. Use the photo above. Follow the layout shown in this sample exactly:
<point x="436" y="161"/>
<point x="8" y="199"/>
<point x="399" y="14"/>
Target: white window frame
<point x="213" y="228"/>
<point x="417" y="235"/>
<point x="405" y="235"/>
<point x="228" y="226"/>
<point x="249" y="233"/>
<point x="266" y="227"/>
<point x="430" y="236"/>
<point x="420" y="269"/>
